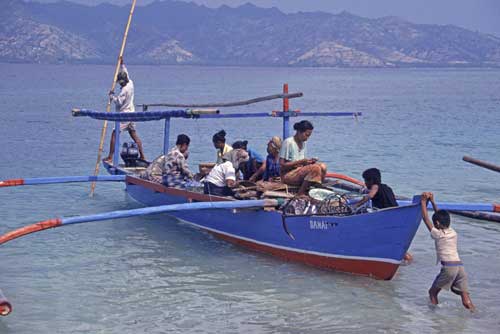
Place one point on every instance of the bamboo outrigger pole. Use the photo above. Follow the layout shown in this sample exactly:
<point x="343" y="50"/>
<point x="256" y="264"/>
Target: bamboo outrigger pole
<point x="108" y="107"/>
<point x="484" y="164"/>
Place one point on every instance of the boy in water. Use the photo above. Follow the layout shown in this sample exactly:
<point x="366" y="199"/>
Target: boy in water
<point x="452" y="274"/>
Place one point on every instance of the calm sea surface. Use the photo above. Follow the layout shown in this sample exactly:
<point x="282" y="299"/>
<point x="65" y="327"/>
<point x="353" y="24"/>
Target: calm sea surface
<point x="156" y="275"/>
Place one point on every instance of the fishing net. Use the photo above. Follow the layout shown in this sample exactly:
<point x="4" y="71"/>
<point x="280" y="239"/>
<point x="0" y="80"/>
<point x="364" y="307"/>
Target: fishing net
<point x="325" y="203"/>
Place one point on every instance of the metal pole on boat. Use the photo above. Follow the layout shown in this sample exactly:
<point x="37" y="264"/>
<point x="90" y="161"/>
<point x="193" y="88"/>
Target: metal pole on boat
<point x="108" y="107"/>
<point x="286" y="109"/>
<point x="166" y="135"/>
<point x="116" y="160"/>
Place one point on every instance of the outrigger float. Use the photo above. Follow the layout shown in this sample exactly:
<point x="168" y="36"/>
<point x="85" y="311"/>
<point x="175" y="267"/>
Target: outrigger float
<point x="371" y="243"/>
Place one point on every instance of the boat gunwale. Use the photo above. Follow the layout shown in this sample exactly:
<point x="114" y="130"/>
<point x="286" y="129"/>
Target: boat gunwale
<point x="192" y="196"/>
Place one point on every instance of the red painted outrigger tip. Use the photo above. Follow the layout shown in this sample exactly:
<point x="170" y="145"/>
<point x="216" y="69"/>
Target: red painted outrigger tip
<point x="46" y="224"/>
<point x="12" y="183"/>
<point x="5" y="306"/>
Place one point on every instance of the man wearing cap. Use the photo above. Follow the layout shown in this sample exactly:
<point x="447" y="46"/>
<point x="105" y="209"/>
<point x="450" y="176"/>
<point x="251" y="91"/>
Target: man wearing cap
<point x="124" y="102"/>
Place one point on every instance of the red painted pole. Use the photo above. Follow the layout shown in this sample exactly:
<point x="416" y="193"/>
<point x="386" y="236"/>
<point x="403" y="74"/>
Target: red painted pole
<point x="286" y="102"/>
<point x="286" y="108"/>
<point x="12" y="183"/>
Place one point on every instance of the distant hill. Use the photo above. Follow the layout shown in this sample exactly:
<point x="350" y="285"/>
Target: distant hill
<point x="174" y="32"/>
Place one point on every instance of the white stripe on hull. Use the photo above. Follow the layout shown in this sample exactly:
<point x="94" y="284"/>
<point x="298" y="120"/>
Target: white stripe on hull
<point x="297" y="250"/>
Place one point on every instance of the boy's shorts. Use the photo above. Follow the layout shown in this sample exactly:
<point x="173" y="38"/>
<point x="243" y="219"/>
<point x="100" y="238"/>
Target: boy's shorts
<point x="451" y="277"/>
<point x="130" y="126"/>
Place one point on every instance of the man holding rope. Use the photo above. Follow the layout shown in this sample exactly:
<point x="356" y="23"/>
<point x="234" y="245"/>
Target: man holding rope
<point x="124" y="103"/>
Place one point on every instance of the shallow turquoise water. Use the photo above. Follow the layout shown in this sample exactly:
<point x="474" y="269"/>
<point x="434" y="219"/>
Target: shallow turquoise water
<point x="155" y="275"/>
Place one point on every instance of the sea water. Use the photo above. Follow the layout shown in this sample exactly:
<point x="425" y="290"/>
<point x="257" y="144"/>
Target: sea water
<point x="156" y="275"/>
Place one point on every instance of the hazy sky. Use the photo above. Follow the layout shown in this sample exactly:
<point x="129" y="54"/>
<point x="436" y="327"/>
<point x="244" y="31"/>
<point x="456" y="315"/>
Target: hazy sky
<point x="482" y="15"/>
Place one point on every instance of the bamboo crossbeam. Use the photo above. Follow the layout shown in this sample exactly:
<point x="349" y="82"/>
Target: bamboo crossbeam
<point x="57" y="222"/>
<point x="481" y="163"/>
<point x="223" y="104"/>
<point x="486" y="207"/>
<point x="492" y="217"/>
<point x="61" y="179"/>
<point x="143" y="116"/>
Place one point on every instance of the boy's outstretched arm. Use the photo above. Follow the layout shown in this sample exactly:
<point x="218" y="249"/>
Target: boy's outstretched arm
<point x="373" y="191"/>
<point x="425" y="215"/>
<point x="434" y="206"/>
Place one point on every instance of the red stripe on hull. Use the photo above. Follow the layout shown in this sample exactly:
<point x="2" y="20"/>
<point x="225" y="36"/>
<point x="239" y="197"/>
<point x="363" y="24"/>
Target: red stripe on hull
<point x="376" y="269"/>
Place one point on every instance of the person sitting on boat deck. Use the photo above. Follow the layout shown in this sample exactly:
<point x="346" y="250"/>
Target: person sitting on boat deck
<point x="295" y="168"/>
<point x="171" y="163"/>
<point x="270" y="169"/>
<point x="452" y="275"/>
<point x="222" y="177"/>
<point x="254" y="162"/>
<point x="219" y="141"/>
<point x="176" y="170"/>
<point x="124" y="103"/>
<point x="155" y="170"/>
<point x="381" y="194"/>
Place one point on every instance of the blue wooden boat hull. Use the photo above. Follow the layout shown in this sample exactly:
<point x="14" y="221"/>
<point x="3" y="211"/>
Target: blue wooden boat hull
<point x="371" y="244"/>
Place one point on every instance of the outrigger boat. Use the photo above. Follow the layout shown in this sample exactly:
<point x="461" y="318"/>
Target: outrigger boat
<point x="371" y="243"/>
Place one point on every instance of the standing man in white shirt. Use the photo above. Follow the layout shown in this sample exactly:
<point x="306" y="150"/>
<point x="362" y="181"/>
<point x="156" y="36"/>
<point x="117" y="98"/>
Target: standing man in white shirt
<point x="124" y="103"/>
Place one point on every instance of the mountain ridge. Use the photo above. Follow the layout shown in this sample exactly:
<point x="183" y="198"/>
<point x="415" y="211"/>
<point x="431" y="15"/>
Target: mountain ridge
<point x="174" y="32"/>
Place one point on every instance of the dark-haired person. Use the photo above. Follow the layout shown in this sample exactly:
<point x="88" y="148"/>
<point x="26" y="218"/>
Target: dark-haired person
<point x="124" y="102"/>
<point x="219" y="141"/>
<point x="176" y="171"/>
<point x="222" y="178"/>
<point x="381" y="194"/>
<point x="270" y="169"/>
<point x="452" y="274"/>
<point x="254" y="162"/>
<point x="295" y="168"/>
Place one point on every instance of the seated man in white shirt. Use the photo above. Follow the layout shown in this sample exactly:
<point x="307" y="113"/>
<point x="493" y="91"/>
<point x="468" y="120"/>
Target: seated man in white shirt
<point x="222" y="177"/>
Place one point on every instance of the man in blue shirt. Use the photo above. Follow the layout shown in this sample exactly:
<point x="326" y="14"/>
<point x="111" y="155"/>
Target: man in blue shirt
<point x="254" y="162"/>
